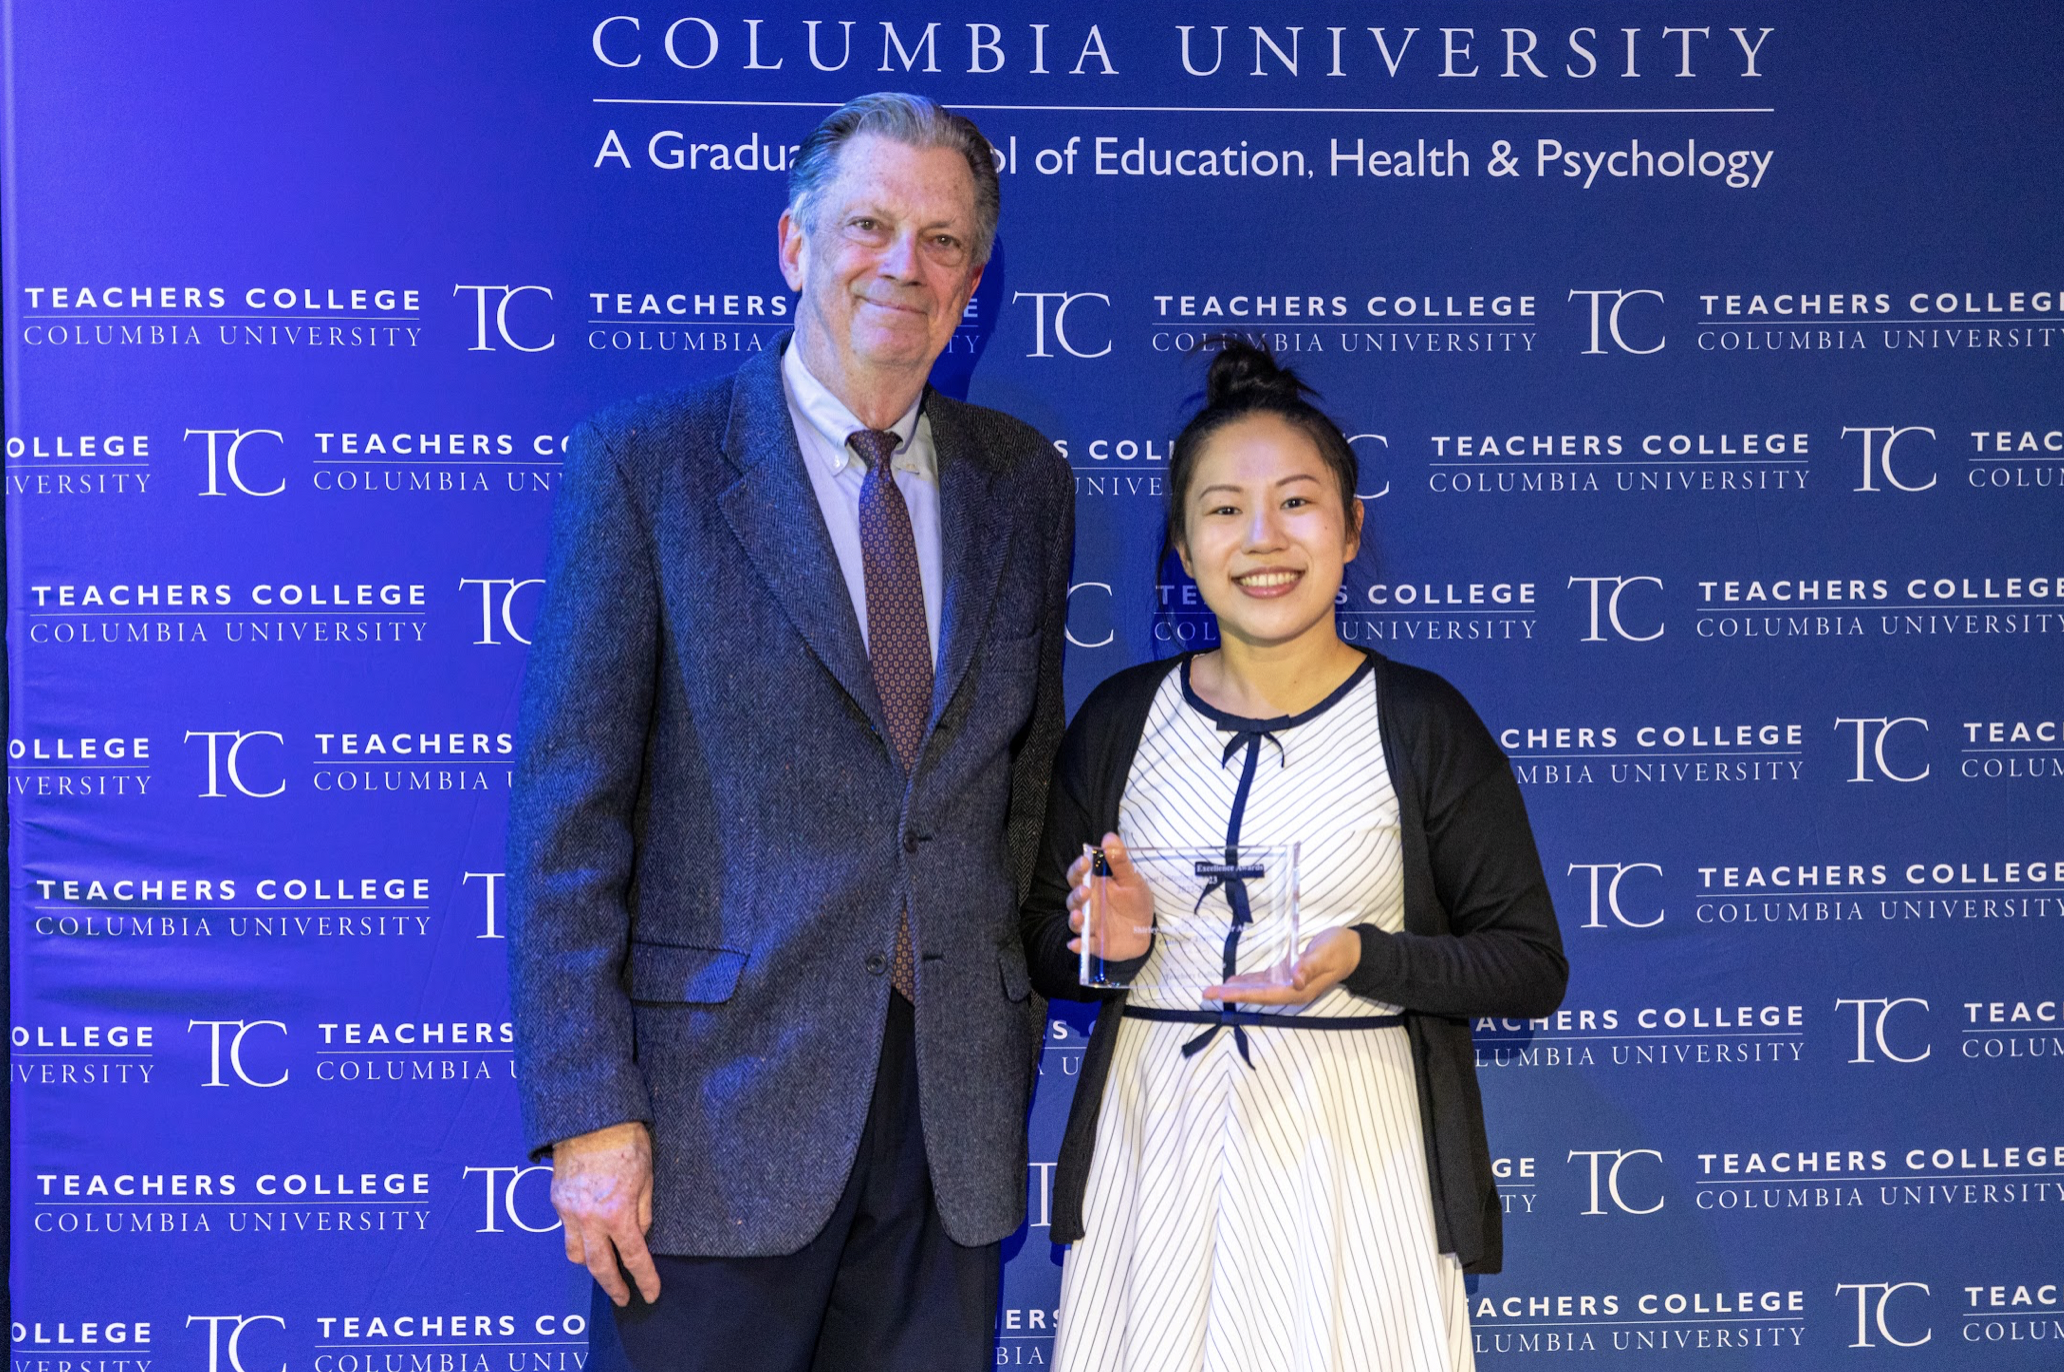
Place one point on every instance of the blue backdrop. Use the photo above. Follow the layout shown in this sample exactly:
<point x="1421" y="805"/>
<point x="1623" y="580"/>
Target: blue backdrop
<point x="1704" y="362"/>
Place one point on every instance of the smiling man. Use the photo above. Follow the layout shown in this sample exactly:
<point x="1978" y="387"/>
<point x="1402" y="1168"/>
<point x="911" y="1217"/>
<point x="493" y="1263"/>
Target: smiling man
<point x="791" y="702"/>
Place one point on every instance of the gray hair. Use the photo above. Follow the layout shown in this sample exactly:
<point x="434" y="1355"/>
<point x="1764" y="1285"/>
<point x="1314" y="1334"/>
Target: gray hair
<point x="913" y="121"/>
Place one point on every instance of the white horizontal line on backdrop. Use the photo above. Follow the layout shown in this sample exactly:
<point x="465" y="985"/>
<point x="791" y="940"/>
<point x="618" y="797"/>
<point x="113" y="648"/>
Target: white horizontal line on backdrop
<point x="1586" y="757"/>
<point x="1210" y="109"/>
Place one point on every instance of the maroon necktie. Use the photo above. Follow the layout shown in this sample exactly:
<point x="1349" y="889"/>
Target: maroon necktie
<point x="899" y="645"/>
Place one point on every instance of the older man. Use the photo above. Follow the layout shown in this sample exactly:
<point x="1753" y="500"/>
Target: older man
<point x="792" y="697"/>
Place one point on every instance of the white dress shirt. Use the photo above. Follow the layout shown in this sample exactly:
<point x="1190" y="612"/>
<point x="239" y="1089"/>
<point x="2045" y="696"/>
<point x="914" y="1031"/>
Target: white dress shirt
<point x="822" y="423"/>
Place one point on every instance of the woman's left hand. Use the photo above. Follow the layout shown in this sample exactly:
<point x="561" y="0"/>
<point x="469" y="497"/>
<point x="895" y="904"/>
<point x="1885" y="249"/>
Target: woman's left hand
<point x="1326" y="962"/>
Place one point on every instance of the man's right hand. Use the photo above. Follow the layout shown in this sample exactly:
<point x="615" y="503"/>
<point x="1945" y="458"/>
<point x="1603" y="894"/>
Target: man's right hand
<point x="602" y="1189"/>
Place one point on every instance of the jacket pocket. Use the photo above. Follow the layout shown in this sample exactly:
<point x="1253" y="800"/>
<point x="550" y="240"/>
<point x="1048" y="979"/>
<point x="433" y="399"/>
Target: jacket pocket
<point x="1017" y="981"/>
<point x="1013" y="657"/>
<point x="670" y="974"/>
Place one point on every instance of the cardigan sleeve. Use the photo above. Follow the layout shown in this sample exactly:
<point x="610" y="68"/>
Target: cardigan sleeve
<point x="1502" y="954"/>
<point x="1081" y="807"/>
<point x="1043" y="921"/>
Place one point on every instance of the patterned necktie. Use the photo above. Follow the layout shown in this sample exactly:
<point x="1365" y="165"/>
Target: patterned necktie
<point x="899" y="644"/>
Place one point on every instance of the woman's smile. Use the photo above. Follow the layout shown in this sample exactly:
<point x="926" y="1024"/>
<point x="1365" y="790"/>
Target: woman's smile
<point x="1267" y="582"/>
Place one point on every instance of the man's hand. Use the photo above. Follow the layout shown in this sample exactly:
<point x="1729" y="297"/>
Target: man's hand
<point x="602" y="1189"/>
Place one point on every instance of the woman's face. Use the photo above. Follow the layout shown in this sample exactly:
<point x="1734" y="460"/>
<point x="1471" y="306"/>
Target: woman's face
<point x="1267" y="538"/>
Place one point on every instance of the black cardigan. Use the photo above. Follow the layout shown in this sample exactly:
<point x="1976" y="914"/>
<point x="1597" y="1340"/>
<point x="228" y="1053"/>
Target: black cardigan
<point x="1480" y="935"/>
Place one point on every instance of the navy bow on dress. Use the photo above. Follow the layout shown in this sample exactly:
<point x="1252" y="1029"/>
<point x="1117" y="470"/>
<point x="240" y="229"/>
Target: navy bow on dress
<point x="1233" y="881"/>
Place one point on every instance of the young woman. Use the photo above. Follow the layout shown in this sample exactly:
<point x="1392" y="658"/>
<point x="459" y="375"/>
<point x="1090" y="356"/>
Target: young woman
<point x="1285" y="1176"/>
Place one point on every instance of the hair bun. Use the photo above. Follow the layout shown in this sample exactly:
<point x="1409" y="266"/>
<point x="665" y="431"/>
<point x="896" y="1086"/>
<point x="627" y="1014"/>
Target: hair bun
<point x="1243" y="373"/>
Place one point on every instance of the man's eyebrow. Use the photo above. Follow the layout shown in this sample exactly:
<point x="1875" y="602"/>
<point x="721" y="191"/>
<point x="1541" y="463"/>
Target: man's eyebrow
<point x="868" y="210"/>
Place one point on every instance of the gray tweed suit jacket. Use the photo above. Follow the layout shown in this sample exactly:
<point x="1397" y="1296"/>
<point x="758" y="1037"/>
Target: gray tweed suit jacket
<point x="710" y="837"/>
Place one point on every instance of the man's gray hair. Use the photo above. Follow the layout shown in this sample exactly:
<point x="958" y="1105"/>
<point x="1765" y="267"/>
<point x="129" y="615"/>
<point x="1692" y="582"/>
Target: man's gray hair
<point x="913" y="121"/>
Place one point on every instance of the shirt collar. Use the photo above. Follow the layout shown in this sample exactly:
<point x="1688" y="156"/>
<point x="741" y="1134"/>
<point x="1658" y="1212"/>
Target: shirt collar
<point x="828" y="415"/>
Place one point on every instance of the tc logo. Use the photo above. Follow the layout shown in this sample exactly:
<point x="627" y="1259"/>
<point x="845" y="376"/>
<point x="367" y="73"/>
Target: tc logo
<point x="1877" y="455"/>
<point x="509" y="587"/>
<point x="1871" y="1313"/>
<point x="1605" y="607"/>
<point x="1353" y="439"/>
<point x="1110" y="635"/>
<point x="1874" y="731"/>
<point x="504" y="296"/>
<point x="1611" y="893"/>
<point x="236" y="1049"/>
<point x="501" y="1198"/>
<point x="223" y="761"/>
<point x="1871" y="1027"/>
<point x="1608" y="315"/>
<point x="1060" y="320"/>
<point x="224" y="1348"/>
<point x="490" y="880"/>
<point x="223" y="446"/>
<point x="1612" y="1160"/>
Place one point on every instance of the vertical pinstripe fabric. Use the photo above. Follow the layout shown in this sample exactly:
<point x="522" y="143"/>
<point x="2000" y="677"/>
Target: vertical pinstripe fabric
<point x="1275" y="1218"/>
<point x="899" y="644"/>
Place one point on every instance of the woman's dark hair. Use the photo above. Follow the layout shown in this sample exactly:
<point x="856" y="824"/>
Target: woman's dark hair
<point x="1246" y="380"/>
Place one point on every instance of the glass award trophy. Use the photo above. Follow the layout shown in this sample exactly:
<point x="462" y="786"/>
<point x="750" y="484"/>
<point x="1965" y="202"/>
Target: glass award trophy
<point x="1210" y="904"/>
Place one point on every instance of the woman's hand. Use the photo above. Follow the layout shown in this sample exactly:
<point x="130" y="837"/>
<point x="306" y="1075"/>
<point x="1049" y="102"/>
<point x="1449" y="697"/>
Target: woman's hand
<point x="1327" y="961"/>
<point x="1123" y="930"/>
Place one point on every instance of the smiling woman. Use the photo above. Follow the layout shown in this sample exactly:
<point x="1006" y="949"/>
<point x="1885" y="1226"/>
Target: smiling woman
<point x="1269" y="1194"/>
<point x="1262" y="503"/>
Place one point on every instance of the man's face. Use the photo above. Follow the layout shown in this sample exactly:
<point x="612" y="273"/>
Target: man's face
<point x="886" y="263"/>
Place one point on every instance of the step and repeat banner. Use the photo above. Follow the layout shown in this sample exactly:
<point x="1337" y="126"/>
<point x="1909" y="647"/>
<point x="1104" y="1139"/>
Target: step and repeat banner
<point x="1706" y="363"/>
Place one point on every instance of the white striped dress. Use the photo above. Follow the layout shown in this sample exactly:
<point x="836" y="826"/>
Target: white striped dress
<point x="1272" y="1218"/>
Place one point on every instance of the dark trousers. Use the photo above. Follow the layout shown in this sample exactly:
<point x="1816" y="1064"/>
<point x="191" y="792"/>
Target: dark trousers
<point x="881" y="1288"/>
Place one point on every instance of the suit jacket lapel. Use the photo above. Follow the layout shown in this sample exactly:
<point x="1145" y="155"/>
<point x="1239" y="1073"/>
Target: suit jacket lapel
<point x="970" y="527"/>
<point x="773" y="510"/>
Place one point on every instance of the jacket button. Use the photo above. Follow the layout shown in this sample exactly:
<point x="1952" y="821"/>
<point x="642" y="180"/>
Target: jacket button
<point x="877" y="964"/>
<point x="910" y="843"/>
